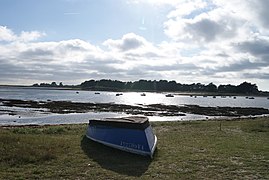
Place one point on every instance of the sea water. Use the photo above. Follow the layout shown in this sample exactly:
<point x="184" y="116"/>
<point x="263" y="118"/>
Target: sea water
<point x="39" y="116"/>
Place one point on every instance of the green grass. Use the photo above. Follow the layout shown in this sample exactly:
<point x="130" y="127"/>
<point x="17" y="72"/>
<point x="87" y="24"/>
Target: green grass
<point x="185" y="150"/>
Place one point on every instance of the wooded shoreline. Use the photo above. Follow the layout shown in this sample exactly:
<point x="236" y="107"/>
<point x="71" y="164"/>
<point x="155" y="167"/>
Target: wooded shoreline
<point x="245" y="88"/>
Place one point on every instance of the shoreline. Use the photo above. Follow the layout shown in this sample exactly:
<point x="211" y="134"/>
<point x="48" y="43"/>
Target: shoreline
<point x="30" y="112"/>
<point x="66" y="107"/>
<point x="220" y="119"/>
<point x="183" y="93"/>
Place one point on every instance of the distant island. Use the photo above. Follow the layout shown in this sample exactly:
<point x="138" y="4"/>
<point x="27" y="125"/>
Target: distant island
<point x="245" y="88"/>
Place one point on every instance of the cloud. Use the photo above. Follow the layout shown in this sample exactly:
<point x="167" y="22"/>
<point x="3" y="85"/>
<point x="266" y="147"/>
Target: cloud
<point x="71" y="61"/>
<point x="130" y="58"/>
<point x="8" y="35"/>
<point x="229" y="39"/>
<point x="37" y="53"/>
<point x="186" y="8"/>
<point x="206" y="26"/>
<point x="200" y="21"/>
<point x="237" y="67"/>
<point x="263" y="12"/>
<point x="257" y="75"/>
<point x="255" y="12"/>
<point x="258" y="46"/>
<point x="30" y="36"/>
<point x="207" y="41"/>
<point x="128" y="42"/>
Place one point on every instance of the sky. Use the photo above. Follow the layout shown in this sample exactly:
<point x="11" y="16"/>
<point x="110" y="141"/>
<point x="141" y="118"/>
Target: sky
<point x="189" y="41"/>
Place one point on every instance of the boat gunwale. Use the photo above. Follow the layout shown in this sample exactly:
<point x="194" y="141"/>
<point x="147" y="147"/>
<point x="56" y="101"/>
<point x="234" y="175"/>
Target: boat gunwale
<point x="121" y="124"/>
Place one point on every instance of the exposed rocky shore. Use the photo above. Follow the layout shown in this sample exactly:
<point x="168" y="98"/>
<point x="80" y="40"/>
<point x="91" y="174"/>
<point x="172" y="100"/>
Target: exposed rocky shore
<point x="64" y="107"/>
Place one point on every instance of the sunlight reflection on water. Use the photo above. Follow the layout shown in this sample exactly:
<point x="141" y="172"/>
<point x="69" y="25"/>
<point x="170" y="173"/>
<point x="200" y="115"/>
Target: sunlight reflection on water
<point x="41" y="116"/>
<point x="129" y="98"/>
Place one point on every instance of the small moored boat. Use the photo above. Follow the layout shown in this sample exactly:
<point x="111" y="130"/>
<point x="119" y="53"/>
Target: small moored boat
<point x="169" y="95"/>
<point x="132" y="134"/>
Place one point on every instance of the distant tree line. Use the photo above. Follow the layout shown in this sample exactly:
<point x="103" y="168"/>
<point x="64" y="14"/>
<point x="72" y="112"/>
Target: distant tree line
<point x="168" y="86"/>
<point x="53" y="84"/>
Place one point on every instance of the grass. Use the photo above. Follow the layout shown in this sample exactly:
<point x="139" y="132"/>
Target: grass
<point x="186" y="150"/>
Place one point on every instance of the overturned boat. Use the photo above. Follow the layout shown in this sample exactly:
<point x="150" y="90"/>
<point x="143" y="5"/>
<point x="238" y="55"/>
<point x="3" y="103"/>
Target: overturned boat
<point x="132" y="134"/>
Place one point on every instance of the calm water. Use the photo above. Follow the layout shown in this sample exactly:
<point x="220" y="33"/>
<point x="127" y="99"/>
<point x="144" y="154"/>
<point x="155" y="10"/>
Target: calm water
<point x="30" y="116"/>
<point x="130" y="98"/>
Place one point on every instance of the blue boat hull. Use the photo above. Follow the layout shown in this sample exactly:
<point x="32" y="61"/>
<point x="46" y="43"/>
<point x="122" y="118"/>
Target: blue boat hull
<point x="136" y="141"/>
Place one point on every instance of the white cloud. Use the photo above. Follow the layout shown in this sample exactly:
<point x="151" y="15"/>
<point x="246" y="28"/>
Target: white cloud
<point x="256" y="12"/>
<point x="184" y="8"/>
<point x="6" y="34"/>
<point x="128" y="42"/>
<point x="230" y="39"/>
<point x="208" y="41"/>
<point x="30" y="36"/>
<point x="70" y="61"/>
<point x="211" y="26"/>
<point x="205" y="20"/>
